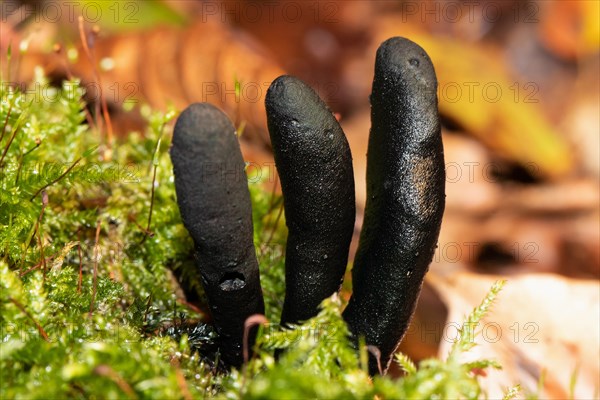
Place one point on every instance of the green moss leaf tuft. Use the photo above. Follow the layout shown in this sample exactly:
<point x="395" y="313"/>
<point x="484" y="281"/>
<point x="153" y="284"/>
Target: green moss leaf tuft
<point x="92" y="248"/>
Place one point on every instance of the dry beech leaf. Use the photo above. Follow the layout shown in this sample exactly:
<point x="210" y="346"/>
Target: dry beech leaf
<point x="541" y="325"/>
<point x="206" y="62"/>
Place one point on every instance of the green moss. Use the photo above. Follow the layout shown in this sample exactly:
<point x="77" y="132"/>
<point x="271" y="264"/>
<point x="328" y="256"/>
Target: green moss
<point x="89" y="306"/>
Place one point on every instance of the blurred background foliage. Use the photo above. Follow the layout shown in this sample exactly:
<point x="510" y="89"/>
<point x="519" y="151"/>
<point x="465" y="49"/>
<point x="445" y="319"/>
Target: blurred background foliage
<point x="519" y="92"/>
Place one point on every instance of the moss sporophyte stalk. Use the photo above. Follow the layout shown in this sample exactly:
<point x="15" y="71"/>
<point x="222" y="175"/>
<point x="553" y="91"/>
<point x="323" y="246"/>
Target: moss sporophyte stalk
<point x="100" y="292"/>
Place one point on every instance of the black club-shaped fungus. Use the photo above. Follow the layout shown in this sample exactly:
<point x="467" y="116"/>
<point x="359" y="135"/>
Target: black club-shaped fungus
<point x="403" y="213"/>
<point x="214" y="201"/>
<point x="315" y="168"/>
<point x="405" y="198"/>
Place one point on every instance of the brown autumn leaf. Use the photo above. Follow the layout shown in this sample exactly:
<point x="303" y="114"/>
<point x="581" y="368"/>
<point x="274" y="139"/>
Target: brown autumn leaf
<point x="543" y="328"/>
<point x="570" y="29"/>
<point x="167" y="66"/>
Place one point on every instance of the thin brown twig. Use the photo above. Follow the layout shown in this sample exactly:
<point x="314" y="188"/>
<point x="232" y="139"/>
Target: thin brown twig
<point x="279" y="213"/>
<point x="42" y="251"/>
<point x="35" y="231"/>
<point x="147" y="231"/>
<point x="8" y="57"/>
<point x="251" y="321"/>
<point x="70" y="76"/>
<point x="57" y="179"/>
<point x="90" y="55"/>
<point x="37" y="324"/>
<point x="107" y="371"/>
<point x="22" y="157"/>
<point x="37" y="144"/>
<point x="272" y="199"/>
<point x="374" y="350"/>
<point x="85" y="44"/>
<point x="36" y="266"/>
<point x="152" y="194"/>
<point x="131" y="218"/>
<point x="80" y="261"/>
<point x="9" y="143"/>
<point x="185" y="391"/>
<point x="190" y="306"/>
<point x="272" y="205"/>
<point x="6" y="122"/>
<point x="18" y="59"/>
<point x="44" y="204"/>
<point x="95" y="270"/>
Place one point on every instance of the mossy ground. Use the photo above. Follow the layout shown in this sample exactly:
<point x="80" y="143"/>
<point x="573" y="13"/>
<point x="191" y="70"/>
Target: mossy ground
<point x="89" y="303"/>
